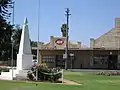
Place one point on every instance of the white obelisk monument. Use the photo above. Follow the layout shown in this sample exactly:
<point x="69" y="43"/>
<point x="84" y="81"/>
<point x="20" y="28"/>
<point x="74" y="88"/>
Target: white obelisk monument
<point x="24" y="56"/>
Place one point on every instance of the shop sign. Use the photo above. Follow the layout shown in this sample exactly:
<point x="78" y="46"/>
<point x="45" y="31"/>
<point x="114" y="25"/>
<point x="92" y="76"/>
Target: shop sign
<point x="59" y="41"/>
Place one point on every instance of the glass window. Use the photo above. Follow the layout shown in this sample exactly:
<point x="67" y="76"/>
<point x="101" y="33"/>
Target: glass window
<point x="100" y="60"/>
<point x="48" y="59"/>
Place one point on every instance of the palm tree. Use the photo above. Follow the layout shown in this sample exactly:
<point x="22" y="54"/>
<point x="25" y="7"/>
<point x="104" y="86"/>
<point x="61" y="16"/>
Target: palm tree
<point x="63" y="29"/>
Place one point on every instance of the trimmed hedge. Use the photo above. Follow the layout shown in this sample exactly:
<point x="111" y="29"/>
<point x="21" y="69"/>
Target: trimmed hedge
<point x="4" y="70"/>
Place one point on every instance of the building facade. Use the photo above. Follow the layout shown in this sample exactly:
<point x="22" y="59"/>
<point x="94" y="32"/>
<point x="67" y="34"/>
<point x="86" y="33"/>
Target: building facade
<point x="103" y="53"/>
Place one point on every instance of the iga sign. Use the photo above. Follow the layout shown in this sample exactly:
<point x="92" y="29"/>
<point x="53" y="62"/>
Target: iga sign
<point x="59" y="41"/>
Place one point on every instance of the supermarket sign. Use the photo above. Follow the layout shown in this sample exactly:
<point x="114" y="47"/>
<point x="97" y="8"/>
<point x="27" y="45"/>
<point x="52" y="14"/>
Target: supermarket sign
<point x="59" y="41"/>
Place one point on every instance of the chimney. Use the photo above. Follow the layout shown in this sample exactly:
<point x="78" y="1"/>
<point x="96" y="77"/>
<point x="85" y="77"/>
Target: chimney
<point x="52" y="40"/>
<point x="92" y="42"/>
<point x="117" y="22"/>
<point x="79" y="43"/>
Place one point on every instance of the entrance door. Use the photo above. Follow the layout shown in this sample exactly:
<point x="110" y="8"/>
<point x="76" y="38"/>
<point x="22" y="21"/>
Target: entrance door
<point x="59" y="61"/>
<point x="112" y="62"/>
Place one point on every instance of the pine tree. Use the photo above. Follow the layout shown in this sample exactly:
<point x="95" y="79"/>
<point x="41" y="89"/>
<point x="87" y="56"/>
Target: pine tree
<point x="5" y="30"/>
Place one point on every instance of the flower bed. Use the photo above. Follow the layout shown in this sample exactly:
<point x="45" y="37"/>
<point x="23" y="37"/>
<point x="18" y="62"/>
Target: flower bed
<point x="44" y="73"/>
<point x="109" y="73"/>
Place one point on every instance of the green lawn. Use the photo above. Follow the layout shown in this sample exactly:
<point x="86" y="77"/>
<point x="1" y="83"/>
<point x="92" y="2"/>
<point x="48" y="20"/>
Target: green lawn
<point x="17" y="85"/>
<point x="89" y="81"/>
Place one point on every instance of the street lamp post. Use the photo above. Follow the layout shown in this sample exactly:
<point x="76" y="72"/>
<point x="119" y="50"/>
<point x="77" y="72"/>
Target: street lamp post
<point x="38" y="39"/>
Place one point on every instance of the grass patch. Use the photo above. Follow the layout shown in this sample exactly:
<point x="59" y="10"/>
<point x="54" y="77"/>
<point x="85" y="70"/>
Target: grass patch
<point x="18" y="85"/>
<point x="89" y="81"/>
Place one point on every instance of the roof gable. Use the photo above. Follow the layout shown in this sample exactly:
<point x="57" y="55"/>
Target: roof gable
<point x="109" y="40"/>
<point x="53" y="45"/>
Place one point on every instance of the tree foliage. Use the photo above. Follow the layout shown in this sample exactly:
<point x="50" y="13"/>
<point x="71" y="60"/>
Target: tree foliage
<point x="5" y="5"/>
<point x="16" y="40"/>
<point x="5" y="30"/>
<point x="5" y="41"/>
<point x="9" y="34"/>
<point x="33" y="43"/>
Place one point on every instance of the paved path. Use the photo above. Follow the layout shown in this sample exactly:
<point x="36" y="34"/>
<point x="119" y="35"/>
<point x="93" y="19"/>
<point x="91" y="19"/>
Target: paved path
<point x="69" y="82"/>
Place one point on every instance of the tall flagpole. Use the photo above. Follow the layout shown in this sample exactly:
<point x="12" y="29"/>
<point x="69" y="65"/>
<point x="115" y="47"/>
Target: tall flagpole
<point x="38" y="39"/>
<point x="12" y="40"/>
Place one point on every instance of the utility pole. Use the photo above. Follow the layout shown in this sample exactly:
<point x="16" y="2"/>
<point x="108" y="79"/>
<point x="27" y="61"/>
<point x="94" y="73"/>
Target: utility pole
<point x="38" y="39"/>
<point x="67" y="37"/>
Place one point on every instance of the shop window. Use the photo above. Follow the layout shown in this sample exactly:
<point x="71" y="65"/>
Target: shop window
<point x="48" y="59"/>
<point x="100" y="60"/>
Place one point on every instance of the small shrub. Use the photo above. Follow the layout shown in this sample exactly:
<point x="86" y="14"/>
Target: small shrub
<point x="30" y="75"/>
<point x="108" y="73"/>
<point x="4" y="69"/>
<point x="118" y="73"/>
<point x="44" y="73"/>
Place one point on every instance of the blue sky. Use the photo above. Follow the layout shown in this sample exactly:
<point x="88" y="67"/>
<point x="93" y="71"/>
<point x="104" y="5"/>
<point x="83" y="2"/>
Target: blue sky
<point x="89" y="19"/>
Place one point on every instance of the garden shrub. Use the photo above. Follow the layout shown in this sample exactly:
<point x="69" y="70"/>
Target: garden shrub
<point x="4" y="69"/>
<point x="44" y="73"/>
<point x="30" y="75"/>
